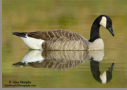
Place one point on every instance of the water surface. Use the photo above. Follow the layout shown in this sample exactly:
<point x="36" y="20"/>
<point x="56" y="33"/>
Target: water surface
<point x="58" y="69"/>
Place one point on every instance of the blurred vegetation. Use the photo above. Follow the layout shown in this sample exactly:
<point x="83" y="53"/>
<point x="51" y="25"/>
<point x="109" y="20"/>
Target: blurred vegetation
<point x="73" y="15"/>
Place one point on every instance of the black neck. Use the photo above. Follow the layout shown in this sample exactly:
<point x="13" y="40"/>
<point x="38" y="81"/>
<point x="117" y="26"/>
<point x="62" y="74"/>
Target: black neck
<point x="94" y="65"/>
<point x="94" y="32"/>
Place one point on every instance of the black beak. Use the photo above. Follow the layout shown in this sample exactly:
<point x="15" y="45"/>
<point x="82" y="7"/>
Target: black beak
<point x="111" y="31"/>
<point x="111" y="68"/>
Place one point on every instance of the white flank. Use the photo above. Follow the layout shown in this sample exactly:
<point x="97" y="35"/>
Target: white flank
<point x="103" y="77"/>
<point x="33" y="56"/>
<point x="103" y="21"/>
<point x="96" y="45"/>
<point x="32" y="42"/>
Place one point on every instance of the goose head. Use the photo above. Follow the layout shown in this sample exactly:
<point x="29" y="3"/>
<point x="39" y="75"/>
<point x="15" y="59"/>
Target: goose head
<point x="106" y="76"/>
<point x="105" y="21"/>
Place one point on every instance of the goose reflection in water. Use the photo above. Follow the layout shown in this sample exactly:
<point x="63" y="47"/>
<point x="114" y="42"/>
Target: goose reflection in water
<point x="67" y="59"/>
<point x="105" y="77"/>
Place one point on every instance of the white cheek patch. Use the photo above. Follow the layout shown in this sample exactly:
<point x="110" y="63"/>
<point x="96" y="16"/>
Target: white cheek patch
<point x="103" y="21"/>
<point x="103" y="77"/>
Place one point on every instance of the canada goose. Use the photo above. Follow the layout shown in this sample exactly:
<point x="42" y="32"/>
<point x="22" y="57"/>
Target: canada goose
<point x="67" y="40"/>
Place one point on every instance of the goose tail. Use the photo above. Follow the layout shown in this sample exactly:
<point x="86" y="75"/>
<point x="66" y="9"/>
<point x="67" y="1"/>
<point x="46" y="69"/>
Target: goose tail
<point x="19" y="34"/>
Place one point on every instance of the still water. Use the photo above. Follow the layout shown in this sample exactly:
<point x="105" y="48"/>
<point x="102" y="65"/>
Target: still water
<point x="63" y="69"/>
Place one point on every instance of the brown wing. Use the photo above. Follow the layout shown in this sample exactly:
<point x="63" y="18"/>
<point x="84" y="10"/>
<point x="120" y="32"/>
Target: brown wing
<point x="61" y="40"/>
<point x="47" y="35"/>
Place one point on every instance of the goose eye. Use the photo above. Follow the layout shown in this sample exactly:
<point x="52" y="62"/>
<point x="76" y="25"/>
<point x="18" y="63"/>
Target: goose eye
<point x="109" y="25"/>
